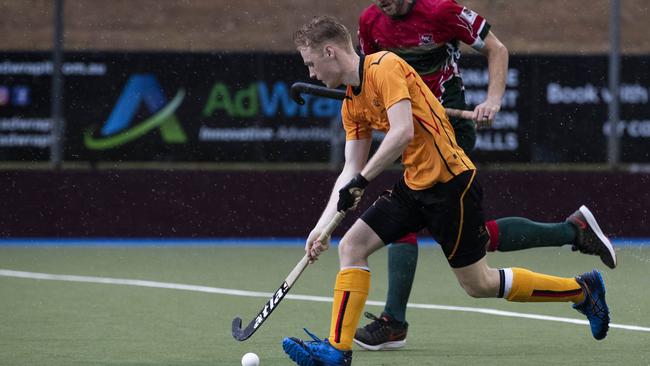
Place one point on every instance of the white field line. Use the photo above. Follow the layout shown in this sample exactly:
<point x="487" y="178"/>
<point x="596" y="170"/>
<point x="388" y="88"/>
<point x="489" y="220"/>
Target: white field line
<point x="225" y="291"/>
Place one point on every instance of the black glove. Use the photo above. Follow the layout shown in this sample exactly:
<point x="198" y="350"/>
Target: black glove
<point x="351" y="193"/>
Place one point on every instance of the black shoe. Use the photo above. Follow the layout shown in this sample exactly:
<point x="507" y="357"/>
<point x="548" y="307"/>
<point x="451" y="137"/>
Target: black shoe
<point x="382" y="333"/>
<point x="590" y="239"/>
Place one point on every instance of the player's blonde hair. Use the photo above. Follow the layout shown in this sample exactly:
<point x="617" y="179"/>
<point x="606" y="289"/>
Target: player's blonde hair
<point x="320" y="30"/>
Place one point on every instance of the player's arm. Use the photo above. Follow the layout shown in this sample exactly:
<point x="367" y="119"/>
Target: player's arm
<point x="497" y="58"/>
<point x="392" y="146"/>
<point x="356" y="155"/>
<point x="395" y="142"/>
<point x="472" y="29"/>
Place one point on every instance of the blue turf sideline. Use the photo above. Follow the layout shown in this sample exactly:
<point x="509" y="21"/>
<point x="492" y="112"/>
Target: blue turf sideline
<point x="208" y="242"/>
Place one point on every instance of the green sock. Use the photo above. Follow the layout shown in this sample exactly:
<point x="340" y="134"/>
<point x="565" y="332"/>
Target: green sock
<point x="402" y="260"/>
<point x="516" y="233"/>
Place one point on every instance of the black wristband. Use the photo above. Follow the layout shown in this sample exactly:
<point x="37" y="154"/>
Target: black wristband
<point x="360" y="181"/>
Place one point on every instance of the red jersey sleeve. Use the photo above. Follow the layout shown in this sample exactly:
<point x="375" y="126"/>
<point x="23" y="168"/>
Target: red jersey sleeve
<point x="465" y="24"/>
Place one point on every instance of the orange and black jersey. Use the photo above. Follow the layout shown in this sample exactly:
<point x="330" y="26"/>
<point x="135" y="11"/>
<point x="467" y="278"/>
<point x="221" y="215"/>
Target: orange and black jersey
<point x="433" y="155"/>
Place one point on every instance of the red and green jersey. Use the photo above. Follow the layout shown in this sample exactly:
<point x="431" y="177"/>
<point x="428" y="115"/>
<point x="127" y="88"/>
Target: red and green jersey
<point x="427" y="37"/>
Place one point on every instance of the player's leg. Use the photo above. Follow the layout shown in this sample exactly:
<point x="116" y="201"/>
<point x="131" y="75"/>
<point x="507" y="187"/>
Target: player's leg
<point x="516" y="284"/>
<point x="389" y="329"/>
<point x="460" y="230"/>
<point x="383" y="222"/>
<point x="350" y="292"/>
<point x="580" y="229"/>
<point x="402" y="263"/>
<point x="586" y="291"/>
<point x="518" y="233"/>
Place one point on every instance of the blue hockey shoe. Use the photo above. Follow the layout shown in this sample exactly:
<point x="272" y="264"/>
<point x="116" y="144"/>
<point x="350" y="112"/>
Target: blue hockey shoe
<point x="315" y="353"/>
<point x="594" y="305"/>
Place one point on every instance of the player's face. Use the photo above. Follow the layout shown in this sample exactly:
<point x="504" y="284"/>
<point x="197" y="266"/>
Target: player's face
<point x="391" y="8"/>
<point x="321" y="66"/>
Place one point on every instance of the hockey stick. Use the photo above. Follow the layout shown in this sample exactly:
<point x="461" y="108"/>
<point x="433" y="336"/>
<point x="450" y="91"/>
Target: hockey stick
<point x="305" y="88"/>
<point x="243" y="334"/>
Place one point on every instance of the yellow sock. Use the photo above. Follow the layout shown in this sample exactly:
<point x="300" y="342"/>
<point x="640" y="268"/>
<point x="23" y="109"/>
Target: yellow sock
<point x="528" y="286"/>
<point x="350" y="293"/>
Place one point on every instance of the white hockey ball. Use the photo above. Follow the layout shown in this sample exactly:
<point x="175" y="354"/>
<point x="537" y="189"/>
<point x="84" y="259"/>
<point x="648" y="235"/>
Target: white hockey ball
<point x="250" y="359"/>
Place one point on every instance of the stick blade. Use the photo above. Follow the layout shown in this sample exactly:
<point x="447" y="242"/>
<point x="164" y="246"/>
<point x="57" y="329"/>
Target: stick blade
<point x="236" y="329"/>
<point x="238" y="333"/>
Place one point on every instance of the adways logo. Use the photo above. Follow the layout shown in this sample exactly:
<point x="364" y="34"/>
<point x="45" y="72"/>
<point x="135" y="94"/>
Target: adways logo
<point x="118" y="131"/>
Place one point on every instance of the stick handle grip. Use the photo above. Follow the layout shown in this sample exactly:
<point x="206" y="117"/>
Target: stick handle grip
<point x="329" y="229"/>
<point x="459" y="113"/>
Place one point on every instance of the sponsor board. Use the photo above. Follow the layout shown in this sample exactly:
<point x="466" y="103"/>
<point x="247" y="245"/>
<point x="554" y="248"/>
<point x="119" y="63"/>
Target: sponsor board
<point x="237" y="108"/>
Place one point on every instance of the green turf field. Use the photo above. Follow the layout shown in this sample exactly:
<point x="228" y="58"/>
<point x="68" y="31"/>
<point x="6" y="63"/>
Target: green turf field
<point x="47" y="322"/>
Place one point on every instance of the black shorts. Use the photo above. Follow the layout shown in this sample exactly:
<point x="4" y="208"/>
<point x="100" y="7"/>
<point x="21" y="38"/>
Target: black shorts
<point x="451" y="211"/>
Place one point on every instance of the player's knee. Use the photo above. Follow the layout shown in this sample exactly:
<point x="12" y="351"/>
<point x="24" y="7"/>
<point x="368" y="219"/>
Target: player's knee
<point x="349" y="252"/>
<point x="346" y="248"/>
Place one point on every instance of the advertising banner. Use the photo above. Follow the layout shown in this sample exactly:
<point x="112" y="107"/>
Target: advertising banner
<point x="236" y="107"/>
<point x="507" y="140"/>
<point x="25" y="108"/>
<point x="166" y="107"/>
<point x="570" y="109"/>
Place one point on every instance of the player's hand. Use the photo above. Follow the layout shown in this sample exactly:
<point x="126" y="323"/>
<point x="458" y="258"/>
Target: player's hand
<point x="485" y="113"/>
<point x="314" y="247"/>
<point x="350" y="194"/>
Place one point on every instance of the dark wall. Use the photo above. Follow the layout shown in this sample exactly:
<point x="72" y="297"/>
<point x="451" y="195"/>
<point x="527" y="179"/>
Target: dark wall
<point x="183" y="204"/>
